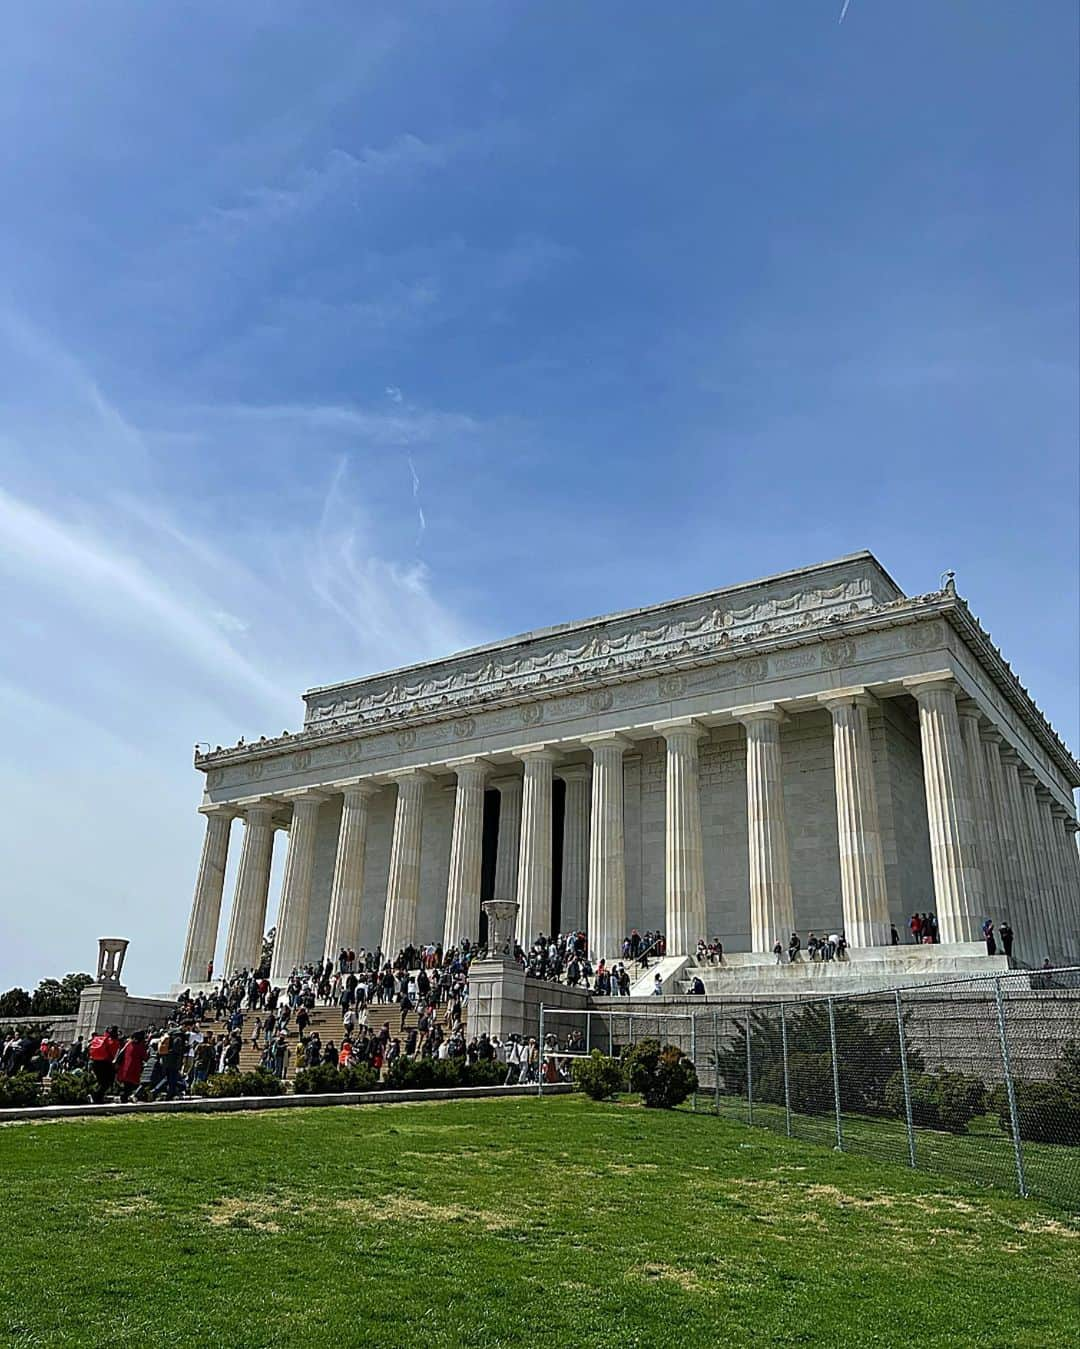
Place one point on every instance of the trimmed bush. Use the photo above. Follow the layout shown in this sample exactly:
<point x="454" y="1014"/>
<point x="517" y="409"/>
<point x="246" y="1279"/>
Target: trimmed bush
<point x="327" y="1077"/>
<point x="941" y="1100"/>
<point x="69" y="1088"/>
<point x="665" y="1077"/>
<point x="1048" y="1112"/>
<point x="485" y="1073"/>
<point x="21" y="1089"/>
<point x="598" y="1076"/>
<point x="422" y="1074"/>
<point x="257" y="1083"/>
<point x="810" y="1083"/>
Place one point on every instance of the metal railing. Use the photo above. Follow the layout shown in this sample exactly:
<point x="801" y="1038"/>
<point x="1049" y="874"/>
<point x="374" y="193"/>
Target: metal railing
<point x="977" y="1078"/>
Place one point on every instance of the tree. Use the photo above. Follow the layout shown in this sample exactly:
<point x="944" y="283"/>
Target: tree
<point x="868" y="1054"/>
<point x="267" y="952"/>
<point x="15" y="1002"/>
<point x="59" y="997"/>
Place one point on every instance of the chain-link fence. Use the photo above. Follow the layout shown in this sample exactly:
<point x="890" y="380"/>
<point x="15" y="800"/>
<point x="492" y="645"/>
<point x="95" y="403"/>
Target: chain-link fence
<point x="974" y="1078"/>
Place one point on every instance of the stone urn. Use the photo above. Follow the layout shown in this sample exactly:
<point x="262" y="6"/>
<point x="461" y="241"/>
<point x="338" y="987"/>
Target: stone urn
<point x="502" y="918"/>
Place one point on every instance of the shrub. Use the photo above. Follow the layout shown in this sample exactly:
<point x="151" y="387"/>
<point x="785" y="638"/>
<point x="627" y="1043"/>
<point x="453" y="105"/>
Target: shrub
<point x="869" y="1054"/>
<point x="419" y="1074"/>
<point x="485" y="1073"/>
<point x="327" y="1077"/>
<point x="257" y="1083"/>
<point x="69" y="1088"/>
<point x="598" y="1076"/>
<point x="664" y="1076"/>
<point x="1048" y="1112"/>
<point x="810" y="1084"/>
<point x="941" y="1100"/>
<point x="21" y="1089"/>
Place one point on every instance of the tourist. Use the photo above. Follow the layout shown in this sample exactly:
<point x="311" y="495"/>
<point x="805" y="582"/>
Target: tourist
<point x="130" y="1062"/>
<point x="1005" y="932"/>
<point x="657" y="986"/>
<point x="103" y="1051"/>
<point x="894" y="936"/>
<point x="988" y="937"/>
<point x="778" y="952"/>
<point x="697" y="987"/>
<point x="794" y="947"/>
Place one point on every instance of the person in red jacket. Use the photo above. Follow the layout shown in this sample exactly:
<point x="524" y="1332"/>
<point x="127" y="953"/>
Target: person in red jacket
<point x="129" y="1063"/>
<point x="103" y="1051"/>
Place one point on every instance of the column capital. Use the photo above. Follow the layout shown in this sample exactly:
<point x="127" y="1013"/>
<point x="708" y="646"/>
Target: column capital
<point x="855" y="695"/>
<point x="922" y="685"/>
<point x="226" y="811"/>
<point x="1009" y="755"/>
<point x="536" y="754"/>
<point x="403" y="775"/>
<point x="473" y="761"/>
<point x="1027" y="775"/>
<point x="1057" y="809"/>
<point x="508" y="782"/>
<point x="358" y="787"/>
<point x="680" y="726"/>
<point x="575" y="772"/>
<point x="968" y="707"/>
<point x="1072" y="824"/>
<point x="258" y="805"/>
<point x="750" y="713"/>
<point x="1043" y="793"/>
<point x="991" y="734"/>
<point x="306" y="796"/>
<point x="606" y="740"/>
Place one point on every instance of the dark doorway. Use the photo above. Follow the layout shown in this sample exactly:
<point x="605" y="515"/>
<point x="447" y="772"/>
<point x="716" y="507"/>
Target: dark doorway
<point x="488" y="849"/>
<point x="558" y="814"/>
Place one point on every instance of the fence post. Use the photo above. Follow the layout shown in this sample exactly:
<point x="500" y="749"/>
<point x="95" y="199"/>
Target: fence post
<point x="693" y="1055"/>
<point x="610" y="1046"/>
<point x="787" y="1084"/>
<point x="716" y="1063"/>
<point x="588" y="1032"/>
<point x="540" y="1056"/>
<point x="749" y="1076"/>
<point x="907" y="1080"/>
<point x="1014" y="1119"/>
<point x="835" y="1077"/>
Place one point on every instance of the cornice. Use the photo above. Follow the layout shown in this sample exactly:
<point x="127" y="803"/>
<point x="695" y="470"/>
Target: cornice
<point x="594" y="676"/>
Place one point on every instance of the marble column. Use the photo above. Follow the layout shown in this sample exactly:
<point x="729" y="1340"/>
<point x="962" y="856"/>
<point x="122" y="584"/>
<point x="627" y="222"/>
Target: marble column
<point x="1052" y="870"/>
<point x="247" y="923"/>
<point x="575" y="849"/>
<point x="292" y="924"/>
<point x="957" y="886"/>
<point x="534" y="852"/>
<point x="466" y="853"/>
<point x="986" y="850"/>
<point x="772" y="910"/>
<point x="403" y="882"/>
<point x="206" y="906"/>
<point x="685" y="920"/>
<point x="1061" y="841"/>
<point x="1029" y="942"/>
<point x="347" y="889"/>
<point x="863" y="889"/>
<point x="607" y="863"/>
<point x="1072" y="873"/>
<point x="1042" y="917"/>
<point x="509" y="840"/>
<point x="1011" y="889"/>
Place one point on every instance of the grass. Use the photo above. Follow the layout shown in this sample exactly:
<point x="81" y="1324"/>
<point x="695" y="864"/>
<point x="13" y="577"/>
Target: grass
<point x="510" y="1222"/>
<point x="984" y="1156"/>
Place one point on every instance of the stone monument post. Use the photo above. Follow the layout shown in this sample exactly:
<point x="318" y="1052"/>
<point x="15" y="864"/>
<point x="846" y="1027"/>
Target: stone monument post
<point x="496" y="980"/>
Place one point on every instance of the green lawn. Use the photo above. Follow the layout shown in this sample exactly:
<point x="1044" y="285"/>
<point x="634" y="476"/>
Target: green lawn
<point x="516" y="1222"/>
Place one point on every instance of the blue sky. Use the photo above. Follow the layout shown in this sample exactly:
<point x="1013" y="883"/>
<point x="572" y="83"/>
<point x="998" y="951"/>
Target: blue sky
<point x="336" y="336"/>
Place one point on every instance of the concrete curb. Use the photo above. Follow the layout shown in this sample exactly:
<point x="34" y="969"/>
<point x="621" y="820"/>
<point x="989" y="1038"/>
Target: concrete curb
<point x="229" y="1104"/>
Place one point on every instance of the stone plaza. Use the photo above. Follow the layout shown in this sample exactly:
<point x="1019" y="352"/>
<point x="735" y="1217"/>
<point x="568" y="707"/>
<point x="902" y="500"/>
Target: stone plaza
<point x="810" y="751"/>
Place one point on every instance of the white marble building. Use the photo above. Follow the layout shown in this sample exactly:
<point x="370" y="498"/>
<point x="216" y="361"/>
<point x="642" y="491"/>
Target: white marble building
<point x="814" y="750"/>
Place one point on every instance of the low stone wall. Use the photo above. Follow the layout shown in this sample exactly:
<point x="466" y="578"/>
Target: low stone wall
<point x="229" y="1104"/>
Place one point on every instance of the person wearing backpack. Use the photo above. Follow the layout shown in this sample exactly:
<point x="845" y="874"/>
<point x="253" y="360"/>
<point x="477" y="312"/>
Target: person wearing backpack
<point x="103" y="1051"/>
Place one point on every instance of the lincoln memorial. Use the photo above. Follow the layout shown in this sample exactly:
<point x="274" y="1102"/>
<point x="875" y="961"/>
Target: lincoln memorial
<point x="811" y="751"/>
